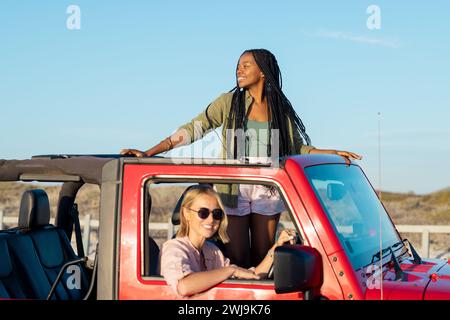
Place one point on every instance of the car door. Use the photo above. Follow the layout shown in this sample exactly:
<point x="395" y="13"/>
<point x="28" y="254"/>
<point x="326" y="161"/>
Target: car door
<point x="135" y="284"/>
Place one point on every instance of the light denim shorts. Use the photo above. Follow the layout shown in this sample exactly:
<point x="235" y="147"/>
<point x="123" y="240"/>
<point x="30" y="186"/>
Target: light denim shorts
<point x="257" y="199"/>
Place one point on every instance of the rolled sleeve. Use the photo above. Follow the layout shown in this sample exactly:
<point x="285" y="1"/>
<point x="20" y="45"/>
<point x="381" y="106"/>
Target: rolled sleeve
<point x="175" y="265"/>
<point x="218" y="260"/>
<point x="305" y="149"/>
<point x="209" y="119"/>
<point x="302" y="148"/>
<point x="299" y="145"/>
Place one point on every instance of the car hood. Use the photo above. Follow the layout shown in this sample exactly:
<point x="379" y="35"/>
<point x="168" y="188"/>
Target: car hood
<point x="429" y="280"/>
<point x="439" y="285"/>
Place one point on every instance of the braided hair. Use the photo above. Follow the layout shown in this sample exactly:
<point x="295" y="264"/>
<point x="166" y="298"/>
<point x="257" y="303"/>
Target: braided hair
<point x="280" y="108"/>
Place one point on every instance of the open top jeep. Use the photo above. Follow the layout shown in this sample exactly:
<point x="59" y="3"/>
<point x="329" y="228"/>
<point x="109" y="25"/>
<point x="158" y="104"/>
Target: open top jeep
<point x="348" y="247"/>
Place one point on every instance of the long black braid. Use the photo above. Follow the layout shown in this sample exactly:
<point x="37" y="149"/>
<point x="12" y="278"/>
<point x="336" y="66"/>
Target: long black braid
<point x="280" y="108"/>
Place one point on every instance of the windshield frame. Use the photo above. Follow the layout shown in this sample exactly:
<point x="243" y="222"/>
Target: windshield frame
<point x="363" y="258"/>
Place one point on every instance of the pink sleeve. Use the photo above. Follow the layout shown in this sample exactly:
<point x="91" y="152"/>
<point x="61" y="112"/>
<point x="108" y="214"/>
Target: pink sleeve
<point x="175" y="264"/>
<point x="223" y="262"/>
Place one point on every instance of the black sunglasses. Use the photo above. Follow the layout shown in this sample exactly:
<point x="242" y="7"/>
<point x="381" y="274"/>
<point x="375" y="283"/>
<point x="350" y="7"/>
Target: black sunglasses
<point x="203" y="213"/>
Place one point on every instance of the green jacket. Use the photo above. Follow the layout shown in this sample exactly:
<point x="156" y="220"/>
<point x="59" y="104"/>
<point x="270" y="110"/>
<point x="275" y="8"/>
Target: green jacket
<point x="218" y="112"/>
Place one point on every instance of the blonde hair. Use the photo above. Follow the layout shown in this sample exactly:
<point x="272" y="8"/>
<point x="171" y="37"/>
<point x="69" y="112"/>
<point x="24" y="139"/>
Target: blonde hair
<point x="191" y="195"/>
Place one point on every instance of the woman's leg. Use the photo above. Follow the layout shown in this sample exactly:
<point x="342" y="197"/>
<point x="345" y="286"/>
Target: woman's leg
<point x="263" y="229"/>
<point x="238" y="249"/>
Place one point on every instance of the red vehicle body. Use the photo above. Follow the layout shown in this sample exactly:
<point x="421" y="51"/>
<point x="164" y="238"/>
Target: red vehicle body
<point x="343" y="275"/>
<point x="340" y="280"/>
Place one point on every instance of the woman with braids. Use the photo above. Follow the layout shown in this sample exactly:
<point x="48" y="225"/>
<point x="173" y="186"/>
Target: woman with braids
<point x="258" y="107"/>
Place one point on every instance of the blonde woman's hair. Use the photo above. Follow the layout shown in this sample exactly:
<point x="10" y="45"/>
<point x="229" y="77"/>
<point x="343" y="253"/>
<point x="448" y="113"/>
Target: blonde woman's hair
<point x="190" y="196"/>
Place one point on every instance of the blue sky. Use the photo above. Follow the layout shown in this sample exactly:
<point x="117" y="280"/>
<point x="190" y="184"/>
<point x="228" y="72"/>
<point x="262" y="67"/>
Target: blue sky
<point x="137" y="70"/>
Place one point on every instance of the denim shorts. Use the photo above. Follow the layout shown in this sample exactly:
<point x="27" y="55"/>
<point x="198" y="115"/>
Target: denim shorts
<point x="257" y="199"/>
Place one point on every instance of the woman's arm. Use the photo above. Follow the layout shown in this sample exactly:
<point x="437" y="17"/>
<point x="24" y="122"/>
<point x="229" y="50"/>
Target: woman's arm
<point x="305" y="149"/>
<point x="212" y="117"/>
<point x="200" y="281"/>
<point x="263" y="268"/>
<point x="346" y="154"/>
<point x="179" y="138"/>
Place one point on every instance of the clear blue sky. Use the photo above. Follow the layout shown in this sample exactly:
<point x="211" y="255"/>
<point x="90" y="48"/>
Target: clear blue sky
<point x="136" y="70"/>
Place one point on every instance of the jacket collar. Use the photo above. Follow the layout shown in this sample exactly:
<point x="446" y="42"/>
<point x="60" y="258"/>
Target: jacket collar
<point x="248" y="100"/>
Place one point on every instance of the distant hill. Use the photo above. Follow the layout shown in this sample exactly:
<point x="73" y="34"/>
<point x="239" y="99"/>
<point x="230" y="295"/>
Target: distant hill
<point x="409" y="208"/>
<point x="404" y="208"/>
<point x="11" y="193"/>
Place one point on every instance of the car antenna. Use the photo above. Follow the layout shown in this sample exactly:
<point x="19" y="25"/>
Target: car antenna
<point x="379" y="196"/>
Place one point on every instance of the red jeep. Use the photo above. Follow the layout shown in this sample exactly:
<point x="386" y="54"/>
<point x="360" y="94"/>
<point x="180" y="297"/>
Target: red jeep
<point x="332" y="206"/>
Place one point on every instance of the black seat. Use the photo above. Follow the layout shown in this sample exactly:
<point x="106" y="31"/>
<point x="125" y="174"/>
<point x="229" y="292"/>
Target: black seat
<point x="11" y="284"/>
<point x="151" y="264"/>
<point x="39" y="250"/>
<point x="153" y="257"/>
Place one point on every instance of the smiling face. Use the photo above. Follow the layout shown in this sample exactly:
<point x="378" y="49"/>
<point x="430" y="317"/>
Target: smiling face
<point x="202" y="228"/>
<point x="248" y="72"/>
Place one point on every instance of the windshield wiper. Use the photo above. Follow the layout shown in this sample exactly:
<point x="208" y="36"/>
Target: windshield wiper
<point x="398" y="270"/>
<point x="416" y="258"/>
<point x="380" y="255"/>
<point x="388" y="249"/>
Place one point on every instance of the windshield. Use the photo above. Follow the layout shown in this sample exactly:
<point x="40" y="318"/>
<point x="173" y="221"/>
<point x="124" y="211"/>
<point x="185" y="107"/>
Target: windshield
<point x="354" y="210"/>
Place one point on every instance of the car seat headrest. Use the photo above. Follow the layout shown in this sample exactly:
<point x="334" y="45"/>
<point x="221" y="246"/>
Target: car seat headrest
<point x="34" y="209"/>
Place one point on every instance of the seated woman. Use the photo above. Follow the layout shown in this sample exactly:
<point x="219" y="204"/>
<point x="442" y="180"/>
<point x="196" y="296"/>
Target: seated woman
<point x="189" y="263"/>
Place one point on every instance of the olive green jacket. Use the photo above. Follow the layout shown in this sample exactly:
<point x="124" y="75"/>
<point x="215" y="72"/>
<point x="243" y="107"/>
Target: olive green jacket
<point x="216" y="115"/>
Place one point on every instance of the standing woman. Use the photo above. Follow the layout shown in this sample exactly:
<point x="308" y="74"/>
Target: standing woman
<point x="256" y="105"/>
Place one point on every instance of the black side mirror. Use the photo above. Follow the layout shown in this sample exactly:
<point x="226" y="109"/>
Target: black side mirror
<point x="336" y="191"/>
<point x="297" y="268"/>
